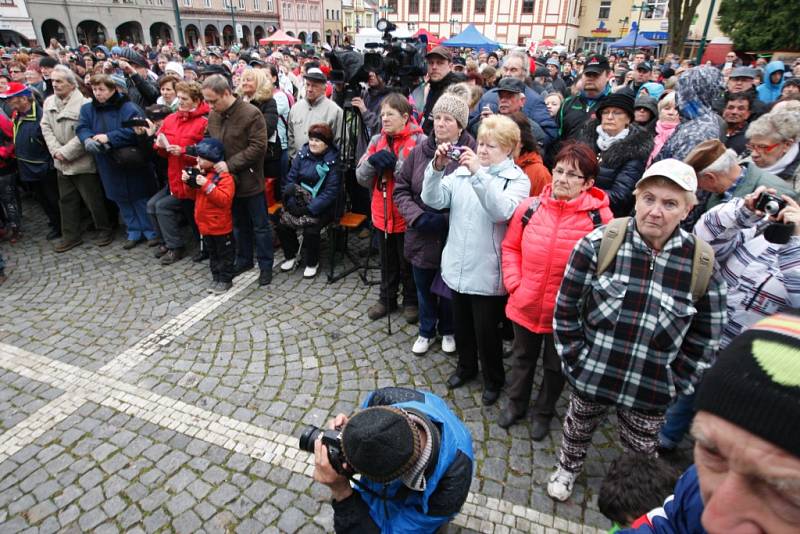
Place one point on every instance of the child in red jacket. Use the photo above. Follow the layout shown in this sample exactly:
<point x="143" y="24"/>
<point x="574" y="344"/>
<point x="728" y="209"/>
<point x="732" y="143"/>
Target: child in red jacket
<point x="213" y="197"/>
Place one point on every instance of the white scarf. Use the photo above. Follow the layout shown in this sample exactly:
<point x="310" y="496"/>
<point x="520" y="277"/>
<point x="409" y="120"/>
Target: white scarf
<point x="778" y="167"/>
<point x="604" y="140"/>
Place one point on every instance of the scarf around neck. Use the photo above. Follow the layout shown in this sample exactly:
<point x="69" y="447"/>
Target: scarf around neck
<point x="604" y="140"/>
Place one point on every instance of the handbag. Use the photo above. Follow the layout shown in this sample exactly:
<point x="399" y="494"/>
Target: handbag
<point x="439" y="287"/>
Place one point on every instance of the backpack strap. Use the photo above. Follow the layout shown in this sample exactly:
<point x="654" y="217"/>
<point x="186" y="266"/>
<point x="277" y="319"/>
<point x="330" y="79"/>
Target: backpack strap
<point x="526" y="217"/>
<point x="613" y="236"/>
<point x="702" y="268"/>
<point x="597" y="221"/>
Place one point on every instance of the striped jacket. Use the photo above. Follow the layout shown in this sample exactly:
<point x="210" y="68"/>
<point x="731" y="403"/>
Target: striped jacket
<point x="632" y="336"/>
<point x="763" y="278"/>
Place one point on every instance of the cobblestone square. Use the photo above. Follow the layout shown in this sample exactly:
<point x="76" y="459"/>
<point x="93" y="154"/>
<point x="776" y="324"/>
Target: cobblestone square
<point x="132" y="401"/>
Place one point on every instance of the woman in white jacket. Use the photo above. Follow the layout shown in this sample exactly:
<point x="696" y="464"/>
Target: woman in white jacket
<point x="482" y="195"/>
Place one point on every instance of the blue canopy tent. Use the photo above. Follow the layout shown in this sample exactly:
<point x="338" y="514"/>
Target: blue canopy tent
<point x="471" y="38"/>
<point x="627" y="41"/>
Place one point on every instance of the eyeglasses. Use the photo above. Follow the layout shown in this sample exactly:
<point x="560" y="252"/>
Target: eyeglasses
<point x="612" y="113"/>
<point x="560" y="171"/>
<point x="762" y="149"/>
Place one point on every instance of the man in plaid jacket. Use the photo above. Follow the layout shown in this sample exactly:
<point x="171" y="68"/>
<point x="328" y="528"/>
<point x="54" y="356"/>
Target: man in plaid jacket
<point x="633" y="337"/>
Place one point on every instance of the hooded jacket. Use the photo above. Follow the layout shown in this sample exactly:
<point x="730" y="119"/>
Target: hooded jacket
<point x="58" y="127"/>
<point x="621" y="164"/>
<point x="480" y="206"/>
<point x="535" y="256"/>
<point x="769" y="92"/>
<point x="182" y="128"/>
<point x="695" y="93"/>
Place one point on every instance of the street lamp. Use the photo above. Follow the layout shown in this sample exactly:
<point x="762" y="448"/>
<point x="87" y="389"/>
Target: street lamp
<point x="644" y="6"/>
<point x="178" y="21"/>
<point x="233" y="20"/>
<point x="453" y="21"/>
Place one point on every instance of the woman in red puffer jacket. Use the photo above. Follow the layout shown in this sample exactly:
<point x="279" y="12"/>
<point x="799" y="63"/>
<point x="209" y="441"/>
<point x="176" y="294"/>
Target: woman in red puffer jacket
<point x="168" y="207"/>
<point x="535" y="256"/>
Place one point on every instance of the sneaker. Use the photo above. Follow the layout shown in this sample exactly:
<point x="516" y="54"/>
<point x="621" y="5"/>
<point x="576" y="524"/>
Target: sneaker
<point x="559" y="487"/>
<point x="222" y="287"/>
<point x="449" y="344"/>
<point x="310" y="271"/>
<point x="288" y="265"/>
<point x="421" y="345"/>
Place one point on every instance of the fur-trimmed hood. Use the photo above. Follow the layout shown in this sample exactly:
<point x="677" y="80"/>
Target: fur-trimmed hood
<point x="637" y="145"/>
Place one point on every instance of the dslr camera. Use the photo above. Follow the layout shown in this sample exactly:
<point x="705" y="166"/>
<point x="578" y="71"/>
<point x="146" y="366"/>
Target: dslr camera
<point x="332" y="439"/>
<point x="454" y="152"/>
<point x="193" y="173"/>
<point x="770" y="204"/>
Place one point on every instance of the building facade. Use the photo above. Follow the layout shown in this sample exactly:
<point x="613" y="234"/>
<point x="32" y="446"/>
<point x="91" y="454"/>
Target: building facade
<point x="357" y="14"/>
<point x="16" y="27"/>
<point x="225" y="22"/>
<point x="302" y="19"/>
<point x="604" y="21"/>
<point x="515" y="22"/>
<point x="332" y="24"/>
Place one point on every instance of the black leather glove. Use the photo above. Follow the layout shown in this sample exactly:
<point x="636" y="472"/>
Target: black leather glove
<point x="383" y="159"/>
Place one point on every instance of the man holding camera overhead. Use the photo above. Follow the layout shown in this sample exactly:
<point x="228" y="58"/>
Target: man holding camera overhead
<point x="414" y="457"/>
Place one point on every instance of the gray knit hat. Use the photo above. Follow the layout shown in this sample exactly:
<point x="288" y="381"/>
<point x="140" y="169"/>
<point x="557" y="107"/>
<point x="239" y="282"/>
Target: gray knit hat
<point x="453" y="105"/>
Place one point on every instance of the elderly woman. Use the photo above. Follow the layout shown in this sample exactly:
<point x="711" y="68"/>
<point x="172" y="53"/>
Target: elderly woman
<point x="622" y="148"/>
<point x="540" y="238"/>
<point x="427" y="229"/>
<point x="173" y="203"/>
<point x="167" y="86"/>
<point x="668" y="120"/>
<point x="774" y="143"/>
<point x="78" y="183"/>
<point x="309" y="198"/>
<point x="128" y="183"/>
<point x="256" y="87"/>
<point x="376" y="170"/>
<point x="482" y="194"/>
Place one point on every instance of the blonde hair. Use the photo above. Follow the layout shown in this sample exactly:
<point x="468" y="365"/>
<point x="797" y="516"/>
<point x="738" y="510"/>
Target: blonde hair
<point x="668" y="100"/>
<point x="263" y="85"/>
<point x="500" y="129"/>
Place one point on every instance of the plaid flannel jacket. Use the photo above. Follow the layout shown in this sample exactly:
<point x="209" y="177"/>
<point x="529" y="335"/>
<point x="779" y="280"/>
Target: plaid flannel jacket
<point x="632" y="336"/>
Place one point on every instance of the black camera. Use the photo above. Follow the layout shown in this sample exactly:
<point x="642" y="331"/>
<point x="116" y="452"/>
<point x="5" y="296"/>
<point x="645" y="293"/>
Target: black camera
<point x="454" y="152"/>
<point x="115" y="64"/>
<point x="193" y="173"/>
<point x="770" y="204"/>
<point x="332" y="439"/>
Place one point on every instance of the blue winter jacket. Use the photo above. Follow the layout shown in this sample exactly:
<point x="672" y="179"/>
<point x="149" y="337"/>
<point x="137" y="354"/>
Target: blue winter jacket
<point x="33" y="158"/>
<point x="413" y="512"/>
<point x="318" y="175"/>
<point x="535" y="109"/>
<point x="122" y="184"/>
<point x="770" y="92"/>
<point x="681" y="512"/>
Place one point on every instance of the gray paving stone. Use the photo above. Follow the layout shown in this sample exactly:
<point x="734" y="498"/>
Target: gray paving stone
<point x="91" y="519"/>
<point x="291" y="521"/>
<point x="187" y="522"/>
<point x="42" y="510"/>
<point x="180" y="503"/>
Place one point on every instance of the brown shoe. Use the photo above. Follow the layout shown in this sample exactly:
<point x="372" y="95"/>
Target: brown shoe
<point x="160" y="251"/>
<point x="378" y="310"/>
<point x="63" y="246"/>
<point x="104" y="239"/>
<point x="172" y="256"/>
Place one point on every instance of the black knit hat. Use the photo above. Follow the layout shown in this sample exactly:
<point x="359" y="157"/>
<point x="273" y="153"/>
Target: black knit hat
<point x="622" y="101"/>
<point x="381" y="443"/>
<point x="755" y="383"/>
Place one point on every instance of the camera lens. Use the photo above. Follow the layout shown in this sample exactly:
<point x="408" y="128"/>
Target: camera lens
<point x="308" y="437"/>
<point x="772" y="207"/>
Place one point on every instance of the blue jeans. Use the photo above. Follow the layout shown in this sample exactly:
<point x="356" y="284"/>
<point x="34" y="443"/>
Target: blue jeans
<point x="251" y="222"/>
<point x="432" y="307"/>
<point x="679" y="419"/>
<point x="134" y="213"/>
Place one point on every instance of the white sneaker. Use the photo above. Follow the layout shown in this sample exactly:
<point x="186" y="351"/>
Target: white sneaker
<point x="310" y="271"/>
<point x="448" y="344"/>
<point x="421" y="345"/>
<point x="288" y="265"/>
<point x="560" y="484"/>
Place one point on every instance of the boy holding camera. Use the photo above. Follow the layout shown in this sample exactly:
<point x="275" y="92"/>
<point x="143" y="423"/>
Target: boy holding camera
<point x="213" y="197"/>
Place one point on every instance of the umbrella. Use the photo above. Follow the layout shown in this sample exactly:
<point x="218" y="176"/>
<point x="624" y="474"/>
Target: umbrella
<point x="279" y="37"/>
<point x="432" y="39"/>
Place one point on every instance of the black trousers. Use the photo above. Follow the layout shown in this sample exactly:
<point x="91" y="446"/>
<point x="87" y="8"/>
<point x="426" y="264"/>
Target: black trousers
<point x="311" y="239"/>
<point x="525" y="355"/>
<point x="396" y="271"/>
<point x="221" y="254"/>
<point x="45" y="191"/>
<point x="477" y="337"/>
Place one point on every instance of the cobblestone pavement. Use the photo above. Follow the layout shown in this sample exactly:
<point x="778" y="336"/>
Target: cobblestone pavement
<point x="132" y="401"/>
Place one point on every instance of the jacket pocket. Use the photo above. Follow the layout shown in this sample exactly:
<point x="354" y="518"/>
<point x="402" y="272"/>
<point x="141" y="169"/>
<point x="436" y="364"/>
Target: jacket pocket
<point x="605" y="303"/>
<point x="674" y="317"/>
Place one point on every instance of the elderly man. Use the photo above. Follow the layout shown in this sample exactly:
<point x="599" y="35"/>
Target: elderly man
<point x="640" y="335"/>
<point x="78" y="182"/>
<point x="314" y="108"/>
<point x="510" y="99"/>
<point x="241" y="128"/>
<point x="746" y="452"/>
<point x="516" y="65"/>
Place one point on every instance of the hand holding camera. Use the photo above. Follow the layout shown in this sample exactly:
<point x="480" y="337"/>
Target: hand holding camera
<point x="192" y="177"/>
<point x="329" y="466"/>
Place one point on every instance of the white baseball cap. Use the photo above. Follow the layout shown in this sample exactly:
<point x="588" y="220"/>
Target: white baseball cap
<point x="672" y="169"/>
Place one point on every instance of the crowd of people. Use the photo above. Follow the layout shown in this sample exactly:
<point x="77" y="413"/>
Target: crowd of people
<point x="626" y="218"/>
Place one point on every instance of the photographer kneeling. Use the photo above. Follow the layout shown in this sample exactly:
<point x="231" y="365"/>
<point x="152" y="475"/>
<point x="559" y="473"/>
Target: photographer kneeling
<point x="414" y="457"/>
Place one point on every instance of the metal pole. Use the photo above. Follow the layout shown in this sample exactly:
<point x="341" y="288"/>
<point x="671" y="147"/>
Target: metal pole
<point x="705" y="33"/>
<point x="178" y="22"/>
<point x="233" y="20"/>
<point x="641" y="8"/>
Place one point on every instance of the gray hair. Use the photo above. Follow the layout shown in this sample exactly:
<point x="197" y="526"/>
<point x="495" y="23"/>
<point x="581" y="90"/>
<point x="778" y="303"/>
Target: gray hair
<point x="69" y="76"/>
<point x="722" y="164"/>
<point x="782" y="125"/>
<point x="523" y="57"/>
<point x="217" y="83"/>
